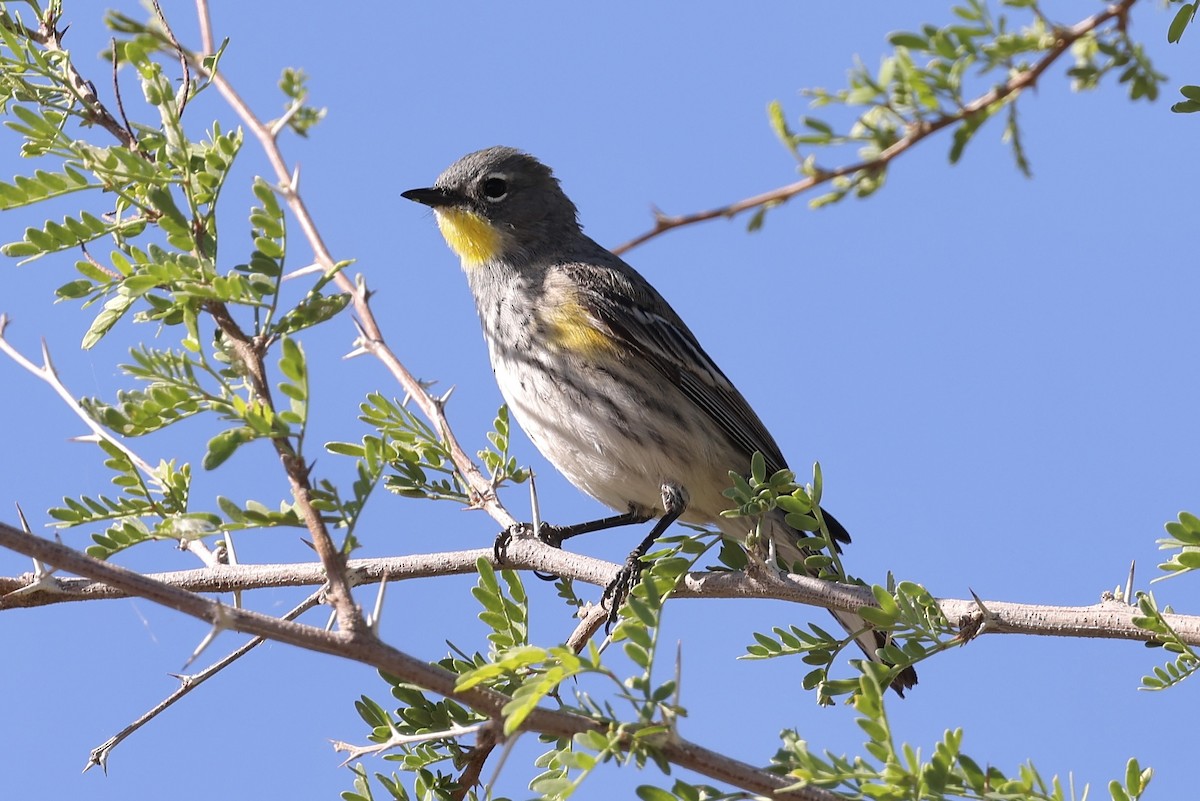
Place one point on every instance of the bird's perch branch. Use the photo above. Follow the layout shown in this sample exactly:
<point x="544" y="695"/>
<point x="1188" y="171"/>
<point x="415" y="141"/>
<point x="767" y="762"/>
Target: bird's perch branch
<point x="1107" y="619"/>
<point x="369" y="650"/>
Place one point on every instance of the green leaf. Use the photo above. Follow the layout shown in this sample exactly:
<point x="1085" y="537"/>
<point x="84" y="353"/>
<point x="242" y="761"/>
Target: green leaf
<point x="222" y="446"/>
<point x="1180" y="22"/>
<point x="909" y="40"/>
<point x="648" y="792"/>
<point x="114" y="310"/>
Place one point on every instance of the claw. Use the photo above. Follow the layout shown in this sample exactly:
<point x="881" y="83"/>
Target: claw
<point x="500" y="546"/>
<point x="549" y="534"/>
<point x="619" y="588"/>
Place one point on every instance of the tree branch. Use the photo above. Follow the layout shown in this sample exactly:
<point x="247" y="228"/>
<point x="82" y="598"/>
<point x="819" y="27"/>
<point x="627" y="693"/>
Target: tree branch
<point x="371" y="651"/>
<point x="49" y="375"/>
<point x="100" y="754"/>
<point x="1107" y="619"/>
<point x="249" y="353"/>
<point x="1064" y="38"/>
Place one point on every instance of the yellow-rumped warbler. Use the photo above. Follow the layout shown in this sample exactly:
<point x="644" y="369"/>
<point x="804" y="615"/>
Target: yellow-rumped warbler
<point x="598" y="369"/>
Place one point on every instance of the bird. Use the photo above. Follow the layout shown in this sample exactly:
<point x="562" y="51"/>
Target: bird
<point x="600" y="372"/>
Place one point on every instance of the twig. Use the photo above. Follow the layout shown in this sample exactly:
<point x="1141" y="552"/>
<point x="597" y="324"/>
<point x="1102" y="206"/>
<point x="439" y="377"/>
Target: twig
<point x="206" y="36"/>
<point x="120" y="110"/>
<point x="1065" y="37"/>
<point x="48" y="374"/>
<point x="100" y="754"/>
<point x="591" y="621"/>
<point x="185" y="89"/>
<point x="397" y="739"/>
<point x="485" y="743"/>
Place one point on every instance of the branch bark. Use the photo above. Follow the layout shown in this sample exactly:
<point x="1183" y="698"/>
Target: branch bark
<point x="1108" y="619"/>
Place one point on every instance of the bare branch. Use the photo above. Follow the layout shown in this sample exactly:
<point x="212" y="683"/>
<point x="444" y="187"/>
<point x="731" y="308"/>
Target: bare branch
<point x="397" y="740"/>
<point x="1064" y="38"/>
<point x="48" y="374"/>
<point x="206" y="34"/>
<point x="485" y="743"/>
<point x="100" y="754"/>
<point x="1108" y="619"/>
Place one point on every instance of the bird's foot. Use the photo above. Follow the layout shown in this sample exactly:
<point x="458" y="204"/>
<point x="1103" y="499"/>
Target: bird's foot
<point x="619" y="588"/>
<point x="546" y="533"/>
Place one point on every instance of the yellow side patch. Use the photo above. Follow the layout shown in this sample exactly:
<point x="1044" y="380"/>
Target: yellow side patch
<point x="572" y="329"/>
<point x="472" y="237"/>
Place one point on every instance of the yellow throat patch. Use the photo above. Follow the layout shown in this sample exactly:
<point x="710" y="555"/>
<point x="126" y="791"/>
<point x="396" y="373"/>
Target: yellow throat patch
<point x="473" y="238"/>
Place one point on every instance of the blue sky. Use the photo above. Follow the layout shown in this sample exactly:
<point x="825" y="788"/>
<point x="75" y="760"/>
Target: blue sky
<point x="996" y="374"/>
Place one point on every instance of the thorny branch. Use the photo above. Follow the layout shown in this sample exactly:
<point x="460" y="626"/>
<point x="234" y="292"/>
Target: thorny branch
<point x="99" y="755"/>
<point x="369" y="650"/>
<point x="1064" y="38"/>
<point x="250" y="353"/>
<point x="1107" y="619"/>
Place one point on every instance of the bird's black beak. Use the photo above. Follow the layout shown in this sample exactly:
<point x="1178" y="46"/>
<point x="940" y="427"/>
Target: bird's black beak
<point x="432" y="197"/>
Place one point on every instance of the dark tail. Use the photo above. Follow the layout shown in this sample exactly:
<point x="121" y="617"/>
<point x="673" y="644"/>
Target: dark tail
<point x="871" y="640"/>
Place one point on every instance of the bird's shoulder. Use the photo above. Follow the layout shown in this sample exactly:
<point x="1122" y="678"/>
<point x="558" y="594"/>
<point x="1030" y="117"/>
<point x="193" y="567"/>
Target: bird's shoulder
<point x="624" y="306"/>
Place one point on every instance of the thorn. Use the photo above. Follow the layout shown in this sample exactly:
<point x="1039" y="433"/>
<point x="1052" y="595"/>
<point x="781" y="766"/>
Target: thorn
<point x="220" y="623"/>
<point x="185" y="679"/>
<point x="302" y="271"/>
<point x="534" y="506"/>
<point x="377" y="613"/>
<point x="43" y="576"/>
<point x="100" y="759"/>
<point x="669" y="716"/>
<point x="979" y="602"/>
<point x="1129" y="582"/>
<point x="279" y="124"/>
<point x="21" y="516"/>
<point x="970" y="626"/>
<point x="47" y="365"/>
<point x="230" y="550"/>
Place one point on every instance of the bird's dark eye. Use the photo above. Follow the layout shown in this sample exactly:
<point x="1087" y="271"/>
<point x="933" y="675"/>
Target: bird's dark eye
<point x="495" y="188"/>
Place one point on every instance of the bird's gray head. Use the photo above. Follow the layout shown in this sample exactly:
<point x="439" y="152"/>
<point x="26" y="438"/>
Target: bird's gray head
<point x="499" y="203"/>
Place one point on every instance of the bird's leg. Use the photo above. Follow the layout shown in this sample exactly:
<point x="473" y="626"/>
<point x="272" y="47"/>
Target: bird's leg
<point x="554" y="535"/>
<point x="675" y="501"/>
